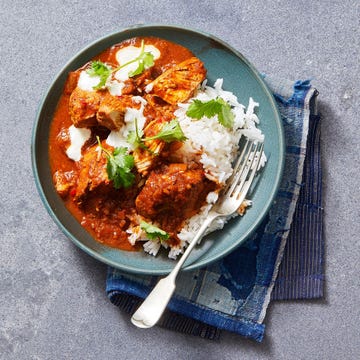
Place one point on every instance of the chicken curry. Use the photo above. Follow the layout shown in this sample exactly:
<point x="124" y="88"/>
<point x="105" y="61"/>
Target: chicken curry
<point x="111" y="185"/>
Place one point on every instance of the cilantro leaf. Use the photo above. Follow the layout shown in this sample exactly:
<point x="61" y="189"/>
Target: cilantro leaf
<point x="170" y="131"/>
<point x="134" y="137"/>
<point x="225" y="116"/>
<point x="145" y="60"/>
<point x="153" y="232"/>
<point x="218" y="106"/>
<point x="139" y="70"/>
<point x="148" y="59"/>
<point x="119" y="166"/>
<point x="198" y="109"/>
<point x="98" y="68"/>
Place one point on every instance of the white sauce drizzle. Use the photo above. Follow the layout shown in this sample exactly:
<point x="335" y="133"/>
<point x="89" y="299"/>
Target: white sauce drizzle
<point x="115" y="87"/>
<point x="130" y="53"/>
<point x="119" y="138"/>
<point x="115" y="84"/>
<point x="87" y="82"/>
<point x="78" y="137"/>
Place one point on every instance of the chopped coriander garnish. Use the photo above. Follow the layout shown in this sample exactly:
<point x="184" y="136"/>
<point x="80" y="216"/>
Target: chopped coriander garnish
<point x="119" y="165"/>
<point x="98" y="68"/>
<point x="170" y="131"/>
<point x="134" y="137"/>
<point x="218" y="106"/>
<point x="153" y="232"/>
<point x="145" y="60"/>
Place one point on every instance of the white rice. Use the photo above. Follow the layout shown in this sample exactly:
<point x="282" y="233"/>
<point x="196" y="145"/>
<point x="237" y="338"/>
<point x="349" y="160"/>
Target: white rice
<point x="215" y="147"/>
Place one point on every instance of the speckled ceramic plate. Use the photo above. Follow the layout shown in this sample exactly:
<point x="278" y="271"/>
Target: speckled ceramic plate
<point x="241" y="78"/>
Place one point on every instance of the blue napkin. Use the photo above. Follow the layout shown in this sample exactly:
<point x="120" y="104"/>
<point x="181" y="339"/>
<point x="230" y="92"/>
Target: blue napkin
<point x="233" y="294"/>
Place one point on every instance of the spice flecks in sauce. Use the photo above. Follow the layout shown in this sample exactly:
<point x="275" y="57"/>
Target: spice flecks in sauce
<point x="106" y="213"/>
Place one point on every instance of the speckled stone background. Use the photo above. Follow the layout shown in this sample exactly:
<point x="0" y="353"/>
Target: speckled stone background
<point x="52" y="299"/>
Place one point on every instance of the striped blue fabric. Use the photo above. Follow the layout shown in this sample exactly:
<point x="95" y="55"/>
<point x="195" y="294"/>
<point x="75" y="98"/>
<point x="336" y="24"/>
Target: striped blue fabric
<point x="301" y="271"/>
<point x="233" y="294"/>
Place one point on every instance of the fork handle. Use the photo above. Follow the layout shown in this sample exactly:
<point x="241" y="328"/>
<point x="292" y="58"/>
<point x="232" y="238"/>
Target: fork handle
<point x="150" y="311"/>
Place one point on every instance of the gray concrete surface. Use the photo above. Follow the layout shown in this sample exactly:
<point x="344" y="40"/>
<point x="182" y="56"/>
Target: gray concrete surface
<point x="52" y="299"/>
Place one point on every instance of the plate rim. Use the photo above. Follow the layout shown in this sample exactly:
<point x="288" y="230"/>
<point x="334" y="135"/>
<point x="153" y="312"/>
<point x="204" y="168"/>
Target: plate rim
<point x="198" y="263"/>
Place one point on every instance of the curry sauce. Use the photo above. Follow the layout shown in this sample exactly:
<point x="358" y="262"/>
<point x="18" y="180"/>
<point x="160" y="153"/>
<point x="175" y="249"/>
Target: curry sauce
<point x="164" y="190"/>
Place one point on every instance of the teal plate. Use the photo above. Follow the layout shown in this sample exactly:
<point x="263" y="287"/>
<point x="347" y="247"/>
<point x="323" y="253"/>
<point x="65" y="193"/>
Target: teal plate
<point x="240" y="77"/>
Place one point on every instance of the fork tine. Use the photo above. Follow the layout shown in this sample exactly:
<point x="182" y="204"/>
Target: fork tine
<point x="243" y="187"/>
<point x="239" y="162"/>
<point x="241" y="168"/>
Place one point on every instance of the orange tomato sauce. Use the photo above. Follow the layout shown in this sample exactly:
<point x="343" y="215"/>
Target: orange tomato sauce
<point x="105" y="217"/>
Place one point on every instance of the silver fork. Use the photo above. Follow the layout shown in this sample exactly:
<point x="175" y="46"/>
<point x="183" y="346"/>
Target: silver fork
<point x="238" y="185"/>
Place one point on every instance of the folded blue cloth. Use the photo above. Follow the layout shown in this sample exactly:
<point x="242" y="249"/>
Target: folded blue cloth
<point x="233" y="293"/>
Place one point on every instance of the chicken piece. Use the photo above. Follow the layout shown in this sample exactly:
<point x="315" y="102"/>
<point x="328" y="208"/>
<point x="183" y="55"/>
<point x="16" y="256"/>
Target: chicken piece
<point x="145" y="159"/>
<point x="140" y="81"/>
<point x="157" y="112"/>
<point x="71" y="82"/>
<point x="112" y="110"/>
<point x="157" y="108"/>
<point x="174" y="191"/>
<point x="83" y="106"/>
<point x="92" y="175"/>
<point x="63" y="138"/>
<point x="64" y="181"/>
<point x="179" y="82"/>
<point x="129" y="87"/>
